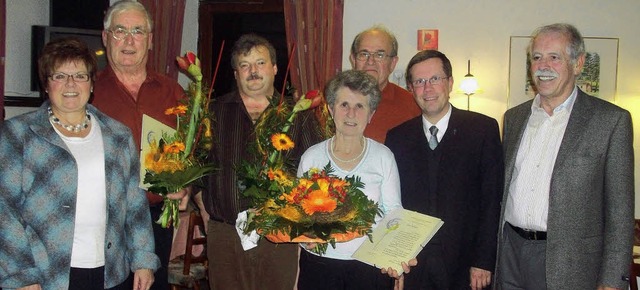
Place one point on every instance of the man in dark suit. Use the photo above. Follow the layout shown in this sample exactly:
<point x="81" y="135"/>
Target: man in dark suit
<point x="567" y="221"/>
<point x="455" y="174"/>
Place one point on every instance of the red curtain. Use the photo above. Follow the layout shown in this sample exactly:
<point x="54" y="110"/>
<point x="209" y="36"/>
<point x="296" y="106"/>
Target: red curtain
<point x="168" y="18"/>
<point x="315" y="27"/>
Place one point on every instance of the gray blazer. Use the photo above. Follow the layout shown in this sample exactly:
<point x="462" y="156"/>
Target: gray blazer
<point x="591" y="200"/>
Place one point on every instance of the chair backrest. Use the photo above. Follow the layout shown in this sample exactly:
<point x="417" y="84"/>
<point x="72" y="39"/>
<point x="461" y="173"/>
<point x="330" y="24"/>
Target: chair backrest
<point x="195" y="220"/>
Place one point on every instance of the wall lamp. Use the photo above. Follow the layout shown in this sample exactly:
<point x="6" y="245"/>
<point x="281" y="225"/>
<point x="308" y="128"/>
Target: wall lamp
<point x="469" y="85"/>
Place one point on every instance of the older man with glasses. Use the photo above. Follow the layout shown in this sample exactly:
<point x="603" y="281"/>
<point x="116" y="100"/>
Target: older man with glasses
<point x="450" y="166"/>
<point x="375" y="51"/>
<point x="126" y="89"/>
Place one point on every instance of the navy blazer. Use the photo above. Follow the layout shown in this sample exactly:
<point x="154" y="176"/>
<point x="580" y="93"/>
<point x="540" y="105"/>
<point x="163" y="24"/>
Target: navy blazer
<point x="468" y="193"/>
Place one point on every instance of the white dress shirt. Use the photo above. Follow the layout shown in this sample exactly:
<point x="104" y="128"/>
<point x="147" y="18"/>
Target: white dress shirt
<point x="528" y="196"/>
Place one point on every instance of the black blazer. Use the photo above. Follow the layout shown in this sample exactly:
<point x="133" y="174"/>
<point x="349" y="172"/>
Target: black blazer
<point x="468" y="192"/>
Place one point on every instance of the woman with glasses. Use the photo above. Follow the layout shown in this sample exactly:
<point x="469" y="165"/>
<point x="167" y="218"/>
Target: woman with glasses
<point x="73" y="216"/>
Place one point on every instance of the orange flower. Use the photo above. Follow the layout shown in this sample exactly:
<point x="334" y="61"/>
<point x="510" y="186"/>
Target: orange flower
<point x="281" y="142"/>
<point x="318" y="201"/>
<point x="178" y="110"/>
<point x="175" y="148"/>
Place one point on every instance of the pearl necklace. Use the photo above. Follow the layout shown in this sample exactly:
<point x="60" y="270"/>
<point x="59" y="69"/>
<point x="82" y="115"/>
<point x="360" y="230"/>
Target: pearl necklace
<point x="71" y="128"/>
<point x="364" y="148"/>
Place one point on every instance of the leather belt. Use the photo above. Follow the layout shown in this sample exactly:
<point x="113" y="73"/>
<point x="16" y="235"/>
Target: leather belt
<point x="529" y="234"/>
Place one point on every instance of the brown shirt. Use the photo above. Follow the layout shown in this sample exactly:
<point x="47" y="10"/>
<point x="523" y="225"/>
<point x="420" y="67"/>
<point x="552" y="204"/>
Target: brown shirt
<point x="232" y="131"/>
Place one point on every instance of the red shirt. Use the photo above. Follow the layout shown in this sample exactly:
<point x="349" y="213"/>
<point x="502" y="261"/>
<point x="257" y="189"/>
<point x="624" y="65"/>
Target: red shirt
<point x="157" y="93"/>
<point x="396" y="106"/>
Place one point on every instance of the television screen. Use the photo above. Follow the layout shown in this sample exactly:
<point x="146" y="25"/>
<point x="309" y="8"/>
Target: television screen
<point x="41" y="35"/>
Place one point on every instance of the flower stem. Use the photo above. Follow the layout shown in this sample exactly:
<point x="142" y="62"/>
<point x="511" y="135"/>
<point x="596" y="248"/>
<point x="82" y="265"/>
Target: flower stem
<point x="193" y="118"/>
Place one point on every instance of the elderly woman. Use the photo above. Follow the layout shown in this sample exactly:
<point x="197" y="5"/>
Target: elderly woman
<point x="73" y="216"/>
<point x="352" y="98"/>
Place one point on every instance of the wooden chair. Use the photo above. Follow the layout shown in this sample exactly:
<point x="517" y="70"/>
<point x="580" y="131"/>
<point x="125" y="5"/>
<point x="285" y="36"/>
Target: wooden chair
<point x="188" y="271"/>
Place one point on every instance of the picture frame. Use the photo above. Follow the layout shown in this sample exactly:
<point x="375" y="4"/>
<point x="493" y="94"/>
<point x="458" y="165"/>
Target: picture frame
<point x="599" y="77"/>
<point x="427" y="39"/>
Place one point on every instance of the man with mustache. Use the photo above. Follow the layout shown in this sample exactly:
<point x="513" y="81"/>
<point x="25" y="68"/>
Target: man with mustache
<point x="375" y="51"/>
<point x="269" y="265"/>
<point x="567" y="220"/>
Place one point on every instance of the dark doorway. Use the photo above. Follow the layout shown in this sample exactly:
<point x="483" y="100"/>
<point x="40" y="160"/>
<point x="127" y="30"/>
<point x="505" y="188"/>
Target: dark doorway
<point x="228" y="22"/>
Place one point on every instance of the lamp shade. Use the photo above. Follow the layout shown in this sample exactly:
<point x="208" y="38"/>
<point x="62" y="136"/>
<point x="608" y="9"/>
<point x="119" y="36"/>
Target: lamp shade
<point x="469" y="84"/>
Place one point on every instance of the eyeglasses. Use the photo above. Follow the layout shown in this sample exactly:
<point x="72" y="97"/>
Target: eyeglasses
<point x="121" y="33"/>
<point x="434" y="80"/>
<point x="378" y="56"/>
<point x="61" y="77"/>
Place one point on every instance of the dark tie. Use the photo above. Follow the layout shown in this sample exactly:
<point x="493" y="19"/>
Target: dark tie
<point x="433" y="141"/>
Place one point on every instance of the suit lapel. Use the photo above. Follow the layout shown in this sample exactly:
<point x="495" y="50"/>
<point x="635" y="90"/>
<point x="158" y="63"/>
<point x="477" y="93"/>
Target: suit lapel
<point x="515" y="126"/>
<point x="576" y="128"/>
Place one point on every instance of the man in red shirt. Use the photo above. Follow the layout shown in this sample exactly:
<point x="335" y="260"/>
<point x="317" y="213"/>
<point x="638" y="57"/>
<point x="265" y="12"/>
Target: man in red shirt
<point x="126" y="89"/>
<point x="375" y="51"/>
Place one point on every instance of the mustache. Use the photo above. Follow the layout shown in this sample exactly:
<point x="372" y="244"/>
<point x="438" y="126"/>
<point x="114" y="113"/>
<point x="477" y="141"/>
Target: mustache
<point x="545" y="73"/>
<point x="254" y="77"/>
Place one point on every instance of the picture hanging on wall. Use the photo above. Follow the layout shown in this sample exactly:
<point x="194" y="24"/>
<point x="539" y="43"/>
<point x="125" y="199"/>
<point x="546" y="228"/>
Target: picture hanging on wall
<point x="598" y="77"/>
<point x="427" y="39"/>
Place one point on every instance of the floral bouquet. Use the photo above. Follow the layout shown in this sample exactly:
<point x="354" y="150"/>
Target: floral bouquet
<point x="178" y="160"/>
<point x="319" y="207"/>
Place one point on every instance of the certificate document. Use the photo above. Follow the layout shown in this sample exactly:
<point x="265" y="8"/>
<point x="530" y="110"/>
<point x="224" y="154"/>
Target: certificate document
<point x="152" y="131"/>
<point x="399" y="237"/>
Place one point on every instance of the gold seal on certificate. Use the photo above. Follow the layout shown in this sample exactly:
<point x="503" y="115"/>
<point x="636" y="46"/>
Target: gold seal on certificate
<point x="398" y="237"/>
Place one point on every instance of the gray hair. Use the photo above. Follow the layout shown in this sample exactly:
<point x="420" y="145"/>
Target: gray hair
<point x="356" y="81"/>
<point x="126" y="5"/>
<point x="379" y="28"/>
<point x="575" y="49"/>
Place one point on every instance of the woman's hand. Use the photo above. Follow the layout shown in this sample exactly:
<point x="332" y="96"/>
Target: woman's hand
<point x="406" y="268"/>
<point x="142" y="279"/>
<point x="31" y="287"/>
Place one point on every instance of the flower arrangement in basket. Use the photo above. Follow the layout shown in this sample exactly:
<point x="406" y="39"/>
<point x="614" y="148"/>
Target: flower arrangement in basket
<point x="178" y="160"/>
<point x="318" y="207"/>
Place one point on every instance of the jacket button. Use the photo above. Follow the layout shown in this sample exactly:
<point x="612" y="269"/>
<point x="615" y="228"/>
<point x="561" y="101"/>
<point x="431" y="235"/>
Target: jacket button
<point x="109" y="245"/>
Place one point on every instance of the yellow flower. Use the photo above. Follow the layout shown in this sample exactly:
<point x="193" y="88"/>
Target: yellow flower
<point x="178" y="110"/>
<point x="279" y="176"/>
<point x="281" y="142"/>
<point x="175" y="147"/>
<point x="291" y="213"/>
<point x="318" y="201"/>
<point x="158" y="162"/>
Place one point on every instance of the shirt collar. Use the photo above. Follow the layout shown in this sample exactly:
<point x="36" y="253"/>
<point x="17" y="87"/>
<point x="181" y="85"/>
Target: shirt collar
<point x="567" y="105"/>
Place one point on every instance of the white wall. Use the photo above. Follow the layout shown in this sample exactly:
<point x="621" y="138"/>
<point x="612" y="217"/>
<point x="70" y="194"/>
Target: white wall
<point x="480" y="31"/>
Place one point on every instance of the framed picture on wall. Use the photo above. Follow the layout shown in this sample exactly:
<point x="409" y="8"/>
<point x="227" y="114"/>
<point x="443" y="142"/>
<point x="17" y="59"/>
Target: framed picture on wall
<point x="427" y="39"/>
<point x="598" y="76"/>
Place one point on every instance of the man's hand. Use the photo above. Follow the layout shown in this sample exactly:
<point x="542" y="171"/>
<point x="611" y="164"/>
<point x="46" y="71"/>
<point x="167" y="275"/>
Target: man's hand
<point x="479" y="278"/>
<point x="608" y="288"/>
<point x="142" y="279"/>
<point x="180" y="194"/>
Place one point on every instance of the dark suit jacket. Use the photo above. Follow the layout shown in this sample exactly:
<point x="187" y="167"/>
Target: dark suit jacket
<point x="591" y="199"/>
<point x="468" y="194"/>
